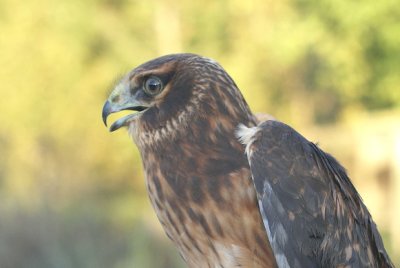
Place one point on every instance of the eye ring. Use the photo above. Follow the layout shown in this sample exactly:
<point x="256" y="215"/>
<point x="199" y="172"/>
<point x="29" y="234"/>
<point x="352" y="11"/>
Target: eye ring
<point x="153" y="85"/>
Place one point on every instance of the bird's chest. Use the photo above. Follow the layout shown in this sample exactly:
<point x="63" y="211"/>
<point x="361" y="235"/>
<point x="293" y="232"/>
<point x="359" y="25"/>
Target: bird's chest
<point x="214" y="222"/>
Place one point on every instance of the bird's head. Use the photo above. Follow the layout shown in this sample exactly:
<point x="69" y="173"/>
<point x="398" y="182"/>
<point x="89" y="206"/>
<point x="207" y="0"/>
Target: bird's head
<point x="170" y="92"/>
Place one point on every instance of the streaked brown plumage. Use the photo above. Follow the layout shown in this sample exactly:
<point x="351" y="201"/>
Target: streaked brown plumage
<point x="198" y="176"/>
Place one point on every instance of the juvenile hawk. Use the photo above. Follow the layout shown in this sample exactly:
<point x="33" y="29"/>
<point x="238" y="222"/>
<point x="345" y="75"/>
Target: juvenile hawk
<point x="277" y="200"/>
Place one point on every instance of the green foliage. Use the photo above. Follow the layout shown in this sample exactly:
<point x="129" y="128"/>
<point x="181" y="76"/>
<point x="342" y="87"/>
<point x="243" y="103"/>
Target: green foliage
<point x="74" y="195"/>
<point x="82" y="235"/>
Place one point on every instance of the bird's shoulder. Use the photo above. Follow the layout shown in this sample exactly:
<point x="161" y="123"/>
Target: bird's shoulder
<point x="312" y="212"/>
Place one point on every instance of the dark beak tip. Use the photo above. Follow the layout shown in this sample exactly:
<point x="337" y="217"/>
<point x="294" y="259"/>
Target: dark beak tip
<point x="106" y="112"/>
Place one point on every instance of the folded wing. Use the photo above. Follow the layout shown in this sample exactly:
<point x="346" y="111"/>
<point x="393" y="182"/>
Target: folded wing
<point x="312" y="213"/>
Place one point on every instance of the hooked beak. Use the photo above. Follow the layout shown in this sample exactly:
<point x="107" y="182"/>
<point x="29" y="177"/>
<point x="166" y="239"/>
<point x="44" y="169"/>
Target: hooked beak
<point x="121" y="100"/>
<point x="109" y="108"/>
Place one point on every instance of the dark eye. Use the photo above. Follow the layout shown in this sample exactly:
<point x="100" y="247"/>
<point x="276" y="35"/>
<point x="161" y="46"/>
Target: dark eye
<point x="153" y="86"/>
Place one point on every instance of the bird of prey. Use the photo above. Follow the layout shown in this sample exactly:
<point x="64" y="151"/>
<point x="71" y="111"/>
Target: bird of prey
<point x="231" y="191"/>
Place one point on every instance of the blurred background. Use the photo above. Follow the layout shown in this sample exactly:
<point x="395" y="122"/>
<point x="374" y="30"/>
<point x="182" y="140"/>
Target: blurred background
<point x="73" y="195"/>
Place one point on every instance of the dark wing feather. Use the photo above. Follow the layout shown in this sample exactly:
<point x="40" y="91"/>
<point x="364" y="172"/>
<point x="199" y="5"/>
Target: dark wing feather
<point x="313" y="215"/>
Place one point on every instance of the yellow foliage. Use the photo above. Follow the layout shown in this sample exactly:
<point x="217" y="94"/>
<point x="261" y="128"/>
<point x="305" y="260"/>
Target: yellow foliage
<point x="329" y="68"/>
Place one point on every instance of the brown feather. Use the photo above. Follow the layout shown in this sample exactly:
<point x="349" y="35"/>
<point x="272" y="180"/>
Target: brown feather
<point x="197" y="174"/>
<point x="199" y="180"/>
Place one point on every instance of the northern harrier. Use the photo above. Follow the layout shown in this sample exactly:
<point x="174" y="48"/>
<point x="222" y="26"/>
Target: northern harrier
<point x="231" y="191"/>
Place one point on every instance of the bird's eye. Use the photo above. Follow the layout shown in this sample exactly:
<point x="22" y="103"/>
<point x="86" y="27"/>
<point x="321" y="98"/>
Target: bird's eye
<point x="153" y="86"/>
